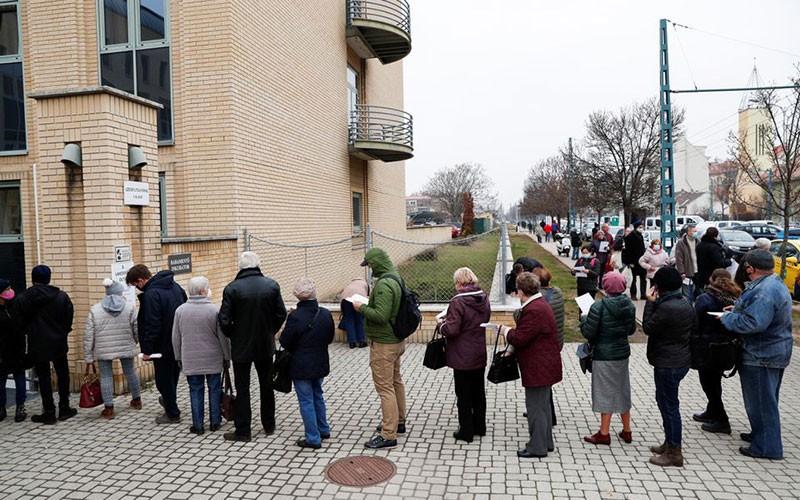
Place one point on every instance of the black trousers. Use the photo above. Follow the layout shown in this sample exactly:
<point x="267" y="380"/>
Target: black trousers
<point x="470" y="401"/>
<point x="711" y="382"/>
<point x="167" y="374"/>
<point x="61" y="367"/>
<point x="244" y="414"/>
<point x="638" y="272"/>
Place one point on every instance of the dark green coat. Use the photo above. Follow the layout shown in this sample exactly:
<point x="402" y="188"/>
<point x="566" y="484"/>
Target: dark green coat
<point x="384" y="301"/>
<point x="607" y="327"/>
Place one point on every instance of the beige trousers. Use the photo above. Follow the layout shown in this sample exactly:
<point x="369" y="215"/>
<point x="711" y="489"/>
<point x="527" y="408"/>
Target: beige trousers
<point x="384" y="361"/>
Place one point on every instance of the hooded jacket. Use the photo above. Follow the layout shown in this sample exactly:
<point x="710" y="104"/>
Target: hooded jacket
<point x="252" y="312"/>
<point x="384" y="301"/>
<point x="159" y="299"/>
<point x="607" y="327"/>
<point x="46" y="315"/>
<point x="669" y="322"/>
<point x="466" y="338"/>
<point x="710" y="256"/>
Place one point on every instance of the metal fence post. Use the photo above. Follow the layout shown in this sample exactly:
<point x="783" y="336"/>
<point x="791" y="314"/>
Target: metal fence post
<point x="503" y="258"/>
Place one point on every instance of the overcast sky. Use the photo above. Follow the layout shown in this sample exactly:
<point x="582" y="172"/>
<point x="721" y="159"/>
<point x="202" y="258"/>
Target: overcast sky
<point x="506" y="83"/>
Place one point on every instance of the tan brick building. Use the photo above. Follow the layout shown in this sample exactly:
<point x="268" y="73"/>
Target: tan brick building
<point x="271" y="117"/>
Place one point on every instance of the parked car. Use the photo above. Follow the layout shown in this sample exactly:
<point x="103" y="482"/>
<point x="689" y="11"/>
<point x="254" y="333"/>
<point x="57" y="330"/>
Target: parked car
<point x="760" y="230"/>
<point x="429" y="218"/>
<point x="792" y="254"/>
<point x="736" y="243"/>
<point x="794" y="234"/>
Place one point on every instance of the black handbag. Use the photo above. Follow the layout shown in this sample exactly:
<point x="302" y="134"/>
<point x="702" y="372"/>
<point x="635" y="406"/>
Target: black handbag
<point x="281" y="377"/>
<point x="586" y="358"/>
<point x="504" y="366"/>
<point x="725" y="355"/>
<point x="435" y="351"/>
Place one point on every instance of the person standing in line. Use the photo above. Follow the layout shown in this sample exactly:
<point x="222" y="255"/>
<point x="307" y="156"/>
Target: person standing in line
<point x="710" y="256"/>
<point x="385" y="348"/>
<point x="555" y="299"/>
<point x="763" y="316"/>
<point x="555" y="228"/>
<point x="685" y="255"/>
<point x="669" y="321"/>
<point x="203" y="352"/>
<point x="159" y="299"/>
<point x="46" y="315"/>
<point x="633" y="251"/>
<point x="12" y="353"/>
<point x="654" y="258"/>
<point x="607" y="327"/>
<point x="466" y="352"/>
<point x="252" y="312"/>
<point x="575" y="242"/>
<point x="601" y="249"/>
<point x="111" y="334"/>
<point x="591" y="266"/>
<point x="352" y="319"/>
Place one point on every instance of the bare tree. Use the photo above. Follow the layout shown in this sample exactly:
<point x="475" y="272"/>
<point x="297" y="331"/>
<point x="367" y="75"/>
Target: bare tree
<point x="448" y="185"/>
<point x="622" y="151"/>
<point x="545" y="189"/>
<point x="780" y="179"/>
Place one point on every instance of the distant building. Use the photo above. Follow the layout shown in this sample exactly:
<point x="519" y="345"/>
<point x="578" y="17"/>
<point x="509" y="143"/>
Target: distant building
<point x="691" y="179"/>
<point x="418" y="203"/>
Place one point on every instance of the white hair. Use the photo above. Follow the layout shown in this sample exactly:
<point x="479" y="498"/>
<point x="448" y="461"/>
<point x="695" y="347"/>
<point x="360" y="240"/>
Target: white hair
<point x="197" y="285"/>
<point x="762" y="243"/>
<point x="249" y="260"/>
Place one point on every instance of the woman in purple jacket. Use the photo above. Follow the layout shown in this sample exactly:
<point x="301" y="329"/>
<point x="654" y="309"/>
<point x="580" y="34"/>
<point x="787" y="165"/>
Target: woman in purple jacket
<point x="466" y="352"/>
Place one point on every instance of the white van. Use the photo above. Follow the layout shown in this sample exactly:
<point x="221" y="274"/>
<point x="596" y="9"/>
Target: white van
<point x="653" y="223"/>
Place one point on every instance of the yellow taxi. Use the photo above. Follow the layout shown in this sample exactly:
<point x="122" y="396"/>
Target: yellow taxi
<point x="792" y="266"/>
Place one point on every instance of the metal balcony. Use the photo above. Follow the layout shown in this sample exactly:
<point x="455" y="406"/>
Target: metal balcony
<point x="379" y="28"/>
<point x="380" y="133"/>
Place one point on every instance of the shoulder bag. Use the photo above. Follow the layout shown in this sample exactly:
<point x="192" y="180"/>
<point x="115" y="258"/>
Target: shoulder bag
<point x="281" y="378"/>
<point x="91" y="395"/>
<point x="228" y="397"/>
<point x="435" y="351"/>
<point x="504" y="366"/>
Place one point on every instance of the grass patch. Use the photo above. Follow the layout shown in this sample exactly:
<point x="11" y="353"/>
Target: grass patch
<point x="430" y="272"/>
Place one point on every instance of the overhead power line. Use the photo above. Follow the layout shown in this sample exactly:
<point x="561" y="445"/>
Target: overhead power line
<point x="724" y="37"/>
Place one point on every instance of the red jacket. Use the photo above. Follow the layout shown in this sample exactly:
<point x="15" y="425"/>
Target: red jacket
<point x="535" y="340"/>
<point x="466" y="338"/>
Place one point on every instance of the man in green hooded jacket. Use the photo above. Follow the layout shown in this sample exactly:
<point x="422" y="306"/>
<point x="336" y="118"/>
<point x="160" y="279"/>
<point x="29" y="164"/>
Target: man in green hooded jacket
<point x="385" y="348"/>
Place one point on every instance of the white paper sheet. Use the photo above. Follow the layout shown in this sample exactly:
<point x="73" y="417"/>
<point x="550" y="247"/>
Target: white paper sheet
<point x="717" y="314"/>
<point x="585" y="302"/>
<point x="443" y="314"/>
<point x="357" y="298"/>
<point x="733" y="267"/>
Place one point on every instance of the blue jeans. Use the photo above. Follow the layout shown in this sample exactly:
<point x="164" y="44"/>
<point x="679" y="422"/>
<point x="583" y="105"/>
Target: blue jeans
<point x="19" y="382"/>
<point x="667" y="382"/>
<point x="107" y="379"/>
<point x="196" y="392"/>
<point x="353" y="323"/>
<point x="312" y="409"/>
<point x="760" y="390"/>
<point x="575" y="252"/>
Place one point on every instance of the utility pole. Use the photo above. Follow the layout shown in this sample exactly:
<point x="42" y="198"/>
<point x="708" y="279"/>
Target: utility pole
<point x="668" y="234"/>
<point x="570" y="181"/>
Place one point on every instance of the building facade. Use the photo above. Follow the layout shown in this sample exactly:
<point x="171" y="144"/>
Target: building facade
<point x="161" y="132"/>
<point x="691" y="179"/>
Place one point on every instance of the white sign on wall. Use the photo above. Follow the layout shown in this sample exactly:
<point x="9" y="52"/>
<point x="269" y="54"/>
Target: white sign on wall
<point x="122" y="253"/>
<point x="119" y="270"/>
<point x="137" y="193"/>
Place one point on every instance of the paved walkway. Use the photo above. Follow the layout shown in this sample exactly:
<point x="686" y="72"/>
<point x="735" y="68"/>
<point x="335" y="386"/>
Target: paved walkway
<point x="131" y="457"/>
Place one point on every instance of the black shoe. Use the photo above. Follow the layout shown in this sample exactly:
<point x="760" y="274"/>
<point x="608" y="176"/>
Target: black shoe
<point x="362" y="344"/>
<point x="524" y="414"/>
<point x="401" y="428"/>
<point x="303" y="443"/>
<point x="480" y="433"/>
<point x="524" y="453"/>
<point x="195" y="430"/>
<point x="269" y="430"/>
<point x="461" y="437"/>
<point x="45" y="418"/>
<point x="324" y="436"/>
<point x="352" y="346"/>
<point x="704" y="417"/>
<point x="214" y="427"/>
<point x="378" y="442"/>
<point x="746" y="436"/>
<point x="161" y="402"/>
<point x="720" y="426"/>
<point x="3" y="412"/>
<point x="232" y="436"/>
<point x="20" y="414"/>
<point x="746" y="451"/>
<point x="65" y="412"/>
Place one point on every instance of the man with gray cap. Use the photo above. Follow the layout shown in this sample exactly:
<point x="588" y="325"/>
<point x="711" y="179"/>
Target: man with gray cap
<point x="385" y="348"/>
<point x="251" y="314"/>
<point x="763" y="316"/>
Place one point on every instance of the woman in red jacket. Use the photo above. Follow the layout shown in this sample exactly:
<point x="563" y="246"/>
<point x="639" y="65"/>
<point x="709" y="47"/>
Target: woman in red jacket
<point x="535" y="340"/>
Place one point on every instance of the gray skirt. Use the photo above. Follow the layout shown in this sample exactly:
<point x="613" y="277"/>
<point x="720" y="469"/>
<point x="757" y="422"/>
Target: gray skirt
<point x="611" y="386"/>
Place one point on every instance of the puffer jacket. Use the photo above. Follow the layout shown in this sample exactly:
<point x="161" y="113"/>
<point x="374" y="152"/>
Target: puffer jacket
<point x="110" y="335"/>
<point x="46" y="315"/>
<point x="308" y="332"/>
<point x="384" y="301"/>
<point x="535" y="340"/>
<point x="466" y="338"/>
<point x="607" y="327"/>
<point x="555" y="297"/>
<point x="669" y="322"/>
<point x="159" y="299"/>
<point x="710" y="256"/>
<point x="252" y="312"/>
<point x="652" y="261"/>
<point x="197" y="338"/>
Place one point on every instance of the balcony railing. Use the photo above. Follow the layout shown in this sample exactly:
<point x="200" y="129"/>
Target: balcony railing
<point x="379" y="28"/>
<point x="381" y="133"/>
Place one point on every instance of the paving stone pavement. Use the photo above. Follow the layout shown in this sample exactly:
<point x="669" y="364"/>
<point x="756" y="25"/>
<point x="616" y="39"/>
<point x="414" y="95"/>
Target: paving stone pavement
<point x="131" y="457"/>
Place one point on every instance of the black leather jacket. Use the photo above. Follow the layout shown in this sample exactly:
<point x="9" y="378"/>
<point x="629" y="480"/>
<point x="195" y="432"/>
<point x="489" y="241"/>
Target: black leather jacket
<point x="668" y="323"/>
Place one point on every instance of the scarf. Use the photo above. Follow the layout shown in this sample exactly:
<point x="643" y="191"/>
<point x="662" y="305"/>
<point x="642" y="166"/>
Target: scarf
<point x="724" y="297"/>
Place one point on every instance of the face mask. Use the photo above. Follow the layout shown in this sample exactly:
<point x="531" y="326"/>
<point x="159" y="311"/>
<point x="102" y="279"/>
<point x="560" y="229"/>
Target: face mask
<point x="584" y="256"/>
<point x="656" y="247"/>
<point x="640" y="229"/>
<point x="8" y="294"/>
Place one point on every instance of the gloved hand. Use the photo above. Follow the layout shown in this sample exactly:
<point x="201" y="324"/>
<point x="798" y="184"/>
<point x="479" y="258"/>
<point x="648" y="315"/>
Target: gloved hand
<point x="226" y="364"/>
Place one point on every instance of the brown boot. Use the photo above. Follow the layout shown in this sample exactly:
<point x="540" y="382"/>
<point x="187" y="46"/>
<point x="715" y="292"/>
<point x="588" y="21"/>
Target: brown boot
<point x="136" y="404"/>
<point x="108" y="413"/>
<point x="660" y="449"/>
<point x="673" y="457"/>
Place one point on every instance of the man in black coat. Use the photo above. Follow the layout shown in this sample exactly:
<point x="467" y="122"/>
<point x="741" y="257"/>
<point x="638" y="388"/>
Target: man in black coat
<point x="159" y="299"/>
<point x="46" y="315"/>
<point x="633" y="251"/>
<point x="710" y="256"/>
<point x="251" y="314"/>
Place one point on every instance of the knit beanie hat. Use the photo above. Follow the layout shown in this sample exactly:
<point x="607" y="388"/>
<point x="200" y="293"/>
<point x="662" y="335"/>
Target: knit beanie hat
<point x="41" y="275"/>
<point x="667" y="279"/>
<point x="760" y="259"/>
<point x="614" y="283"/>
<point x="113" y="302"/>
<point x="305" y="289"/>
<point x="113" y="287"/>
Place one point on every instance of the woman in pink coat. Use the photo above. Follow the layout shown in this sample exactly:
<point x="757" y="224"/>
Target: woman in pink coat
<point x="654" y="258"/>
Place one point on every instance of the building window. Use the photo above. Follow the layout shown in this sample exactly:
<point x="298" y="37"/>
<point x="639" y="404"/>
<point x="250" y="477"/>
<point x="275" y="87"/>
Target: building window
<point x="10" y="212"/>
<point x="357" y="213"/>
<point x="162" y="202"/>
<point x="12" y="88"/>
<point x="352" y="92"/>
<point x="135" y="53"/>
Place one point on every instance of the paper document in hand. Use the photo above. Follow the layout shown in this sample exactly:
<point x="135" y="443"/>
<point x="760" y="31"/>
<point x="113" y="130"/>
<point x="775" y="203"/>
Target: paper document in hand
<point x="585" y="301"/>
<point x="490" y="325"/>
<point x="718" y="314"/>
<point x="603" y="247"/>
<point x="155" y="355"/>
<point x="443" y="314"/>
<point x="357" y="298"/>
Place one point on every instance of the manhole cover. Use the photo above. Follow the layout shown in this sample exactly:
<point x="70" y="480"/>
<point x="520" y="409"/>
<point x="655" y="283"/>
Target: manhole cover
<point x="360" y="471"/>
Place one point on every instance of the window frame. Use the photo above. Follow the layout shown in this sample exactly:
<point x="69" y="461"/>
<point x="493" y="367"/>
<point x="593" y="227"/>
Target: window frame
<point x="17" y="59"/>
<point x="135" y="45"/>
<point x="353" y="91"/>
<point x="357" y="229"/>
<point x="14" y="238"/>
